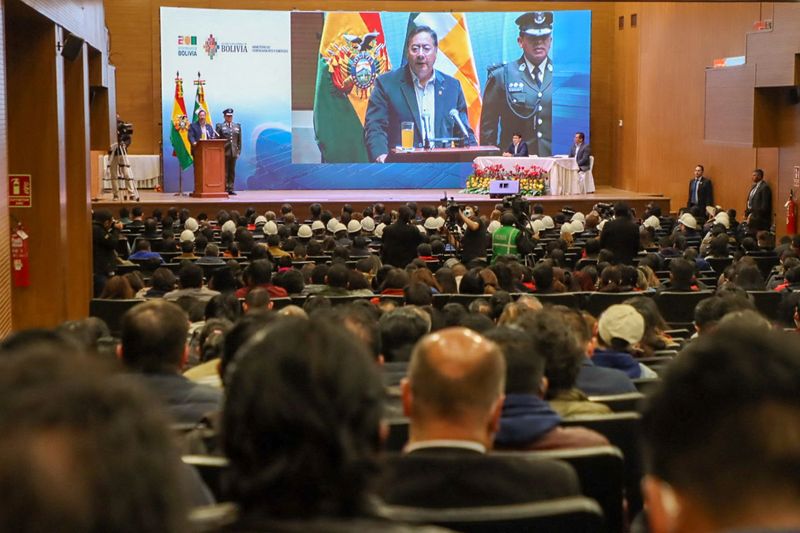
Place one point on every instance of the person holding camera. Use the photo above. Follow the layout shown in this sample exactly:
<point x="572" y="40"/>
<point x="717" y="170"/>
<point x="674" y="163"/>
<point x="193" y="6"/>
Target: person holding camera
<point x="105" y="237"/>
<point x="508" y="239"/>
<point x="475" y="238"/>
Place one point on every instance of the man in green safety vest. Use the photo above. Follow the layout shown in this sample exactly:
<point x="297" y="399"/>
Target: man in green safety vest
<point x="508" y="239"/>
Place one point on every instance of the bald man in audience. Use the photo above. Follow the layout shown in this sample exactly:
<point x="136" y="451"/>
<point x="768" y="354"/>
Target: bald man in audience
<point x="453" y="396"/>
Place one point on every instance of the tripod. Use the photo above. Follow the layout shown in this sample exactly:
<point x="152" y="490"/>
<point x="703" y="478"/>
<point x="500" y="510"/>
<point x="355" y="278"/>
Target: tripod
<point x="120" y="170"/>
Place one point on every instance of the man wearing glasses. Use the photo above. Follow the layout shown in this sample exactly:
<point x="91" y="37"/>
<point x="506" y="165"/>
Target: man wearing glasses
<point x="416" y="93"/>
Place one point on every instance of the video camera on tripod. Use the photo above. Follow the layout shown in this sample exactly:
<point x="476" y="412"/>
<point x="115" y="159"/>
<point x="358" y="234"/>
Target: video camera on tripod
<point x="119" y="165"/>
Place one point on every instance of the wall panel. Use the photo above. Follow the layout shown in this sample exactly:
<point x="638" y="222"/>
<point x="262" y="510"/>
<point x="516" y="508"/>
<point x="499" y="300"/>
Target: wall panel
<point x="5" y="265"/>
<point x="678" y="41"/>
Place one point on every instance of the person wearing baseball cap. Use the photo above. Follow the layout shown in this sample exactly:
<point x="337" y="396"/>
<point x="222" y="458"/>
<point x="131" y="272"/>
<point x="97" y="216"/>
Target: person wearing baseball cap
<point x="620" y="329"/>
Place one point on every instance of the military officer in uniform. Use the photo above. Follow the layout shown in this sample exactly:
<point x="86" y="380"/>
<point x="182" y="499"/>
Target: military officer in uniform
<point x="519" y="95"/>
<point x="232" y="133"/>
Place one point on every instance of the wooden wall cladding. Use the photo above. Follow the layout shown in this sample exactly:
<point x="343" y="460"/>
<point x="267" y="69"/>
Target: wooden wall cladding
<point x="34" y="76"/>
<point x="775" y="51"/>
<point x="677" y="42"/>
<point x="85" y="18"/>
<point x="135" y="50"/>
<point x="5" y="264"/>
<point x="78" y="259"/>
<point x="729" y="105"/>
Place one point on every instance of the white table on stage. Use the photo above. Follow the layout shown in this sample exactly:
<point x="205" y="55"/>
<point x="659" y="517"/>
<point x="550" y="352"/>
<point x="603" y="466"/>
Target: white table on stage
<point x="145" y="168"/>
<point x="564" y="175"/>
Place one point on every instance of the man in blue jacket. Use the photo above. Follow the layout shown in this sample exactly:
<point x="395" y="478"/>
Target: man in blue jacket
<point x="200" y="130"/>
<point x="416" y="93"/>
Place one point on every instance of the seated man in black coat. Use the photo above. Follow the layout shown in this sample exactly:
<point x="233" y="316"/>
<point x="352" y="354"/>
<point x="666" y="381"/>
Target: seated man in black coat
<point x="453" y="396"/>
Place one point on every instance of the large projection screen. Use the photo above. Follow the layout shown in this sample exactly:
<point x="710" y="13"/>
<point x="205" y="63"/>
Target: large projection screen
<point x="303" y="109"/>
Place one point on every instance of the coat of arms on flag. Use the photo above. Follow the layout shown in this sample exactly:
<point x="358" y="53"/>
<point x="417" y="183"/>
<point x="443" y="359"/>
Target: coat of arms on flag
<point x="352" y="54"/>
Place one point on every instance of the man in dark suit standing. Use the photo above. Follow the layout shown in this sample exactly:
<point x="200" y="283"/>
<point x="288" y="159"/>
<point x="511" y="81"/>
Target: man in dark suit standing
<point x="453" y="396"/>
<point x="232" y="133"/>
<point x="400" y="240"/>
<point x="701" y="190"/>
<point x="200" y="130"/>
<point x="581" y="152"/>
<point x="759" y="203"/>
<point x="621" y="236"/>
<point x="416" y="93"/>
<point x="517" y="148"/>
<point x="519" y="95"/>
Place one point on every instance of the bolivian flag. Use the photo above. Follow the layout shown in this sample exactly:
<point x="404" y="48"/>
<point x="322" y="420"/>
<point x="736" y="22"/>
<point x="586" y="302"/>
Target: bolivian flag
<point x="200" y="101"/>
<point x="179" y="136"/>
<point x="455" y="56"/>
<point x="352" y="53"/>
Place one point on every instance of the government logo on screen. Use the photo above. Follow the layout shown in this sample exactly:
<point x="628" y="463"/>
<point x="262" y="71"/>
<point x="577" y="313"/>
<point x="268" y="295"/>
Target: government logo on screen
<point x="187" y="45"/>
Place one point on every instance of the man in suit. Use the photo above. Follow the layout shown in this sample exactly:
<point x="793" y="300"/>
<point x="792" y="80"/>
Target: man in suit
<point x="701" y="190"/>
<point x="416" y="93"/>
<point x="759" y="203"/>
<point x="453" y="396"/>
<point x="581" y="152"/>
<point x="200" y="130"/>
<point x="232" y="133"/>
<point x="621" y="236"/>
<point x="519" y="95"/>
<point x="517" y="148"/>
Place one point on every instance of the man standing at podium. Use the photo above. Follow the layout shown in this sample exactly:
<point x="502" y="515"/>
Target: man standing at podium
<point x="200" y="130"/>
<point x="232" y="133"/>
<point x="519" y="95"/>
<point x="416" y="93"/>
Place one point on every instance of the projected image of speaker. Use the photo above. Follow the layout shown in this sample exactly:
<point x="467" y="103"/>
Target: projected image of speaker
<point x="503" y="188"/>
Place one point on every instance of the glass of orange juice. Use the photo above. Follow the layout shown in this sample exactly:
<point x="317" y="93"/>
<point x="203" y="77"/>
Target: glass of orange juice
<point x="407" y="135"/>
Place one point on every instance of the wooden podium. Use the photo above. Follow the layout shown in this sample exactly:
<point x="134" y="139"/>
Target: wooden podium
<point x="209" y="169"/>
<point x="442" y="155"/>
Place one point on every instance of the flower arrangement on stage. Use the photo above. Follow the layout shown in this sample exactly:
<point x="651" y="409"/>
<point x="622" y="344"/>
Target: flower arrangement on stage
<point x="532" y="179"/>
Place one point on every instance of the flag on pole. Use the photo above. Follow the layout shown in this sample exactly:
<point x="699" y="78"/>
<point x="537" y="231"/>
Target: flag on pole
<point x="179" y="136"/>
<point x="200" y="100"/>
<point x="352" y="53"/>
<point x="455" y="56"/>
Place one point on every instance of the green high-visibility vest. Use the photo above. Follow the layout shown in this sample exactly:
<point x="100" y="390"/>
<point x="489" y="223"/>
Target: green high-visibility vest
<point x="504" y="242"/>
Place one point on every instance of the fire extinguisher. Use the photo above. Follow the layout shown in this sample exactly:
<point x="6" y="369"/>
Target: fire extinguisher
<point x="791" y="214"/>
<point x="20" y="257"/>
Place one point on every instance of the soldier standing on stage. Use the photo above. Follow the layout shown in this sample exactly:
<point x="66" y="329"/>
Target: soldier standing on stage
<point x="519" y="95"/>
<point x="232" y="133"/>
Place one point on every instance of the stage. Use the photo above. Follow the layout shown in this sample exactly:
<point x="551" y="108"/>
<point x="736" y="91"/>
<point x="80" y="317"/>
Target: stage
<point x="333" y="200"/>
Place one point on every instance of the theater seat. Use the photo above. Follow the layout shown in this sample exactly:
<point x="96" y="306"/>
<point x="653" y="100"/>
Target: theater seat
<point x="622" y="430"/>
<point x="564" y="515"/>
<point x="677" y="307"/>
<point x="597" y="302"/>
<point x="569" y="299"/>
<point x="767" y="302"/>
<point x="620" y="403"/>
<point x="111" y="311"/>
<point x="601" y="473"/>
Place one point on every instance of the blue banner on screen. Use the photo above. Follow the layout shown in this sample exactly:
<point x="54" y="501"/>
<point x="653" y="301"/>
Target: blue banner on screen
<point x="326" y="114"/>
